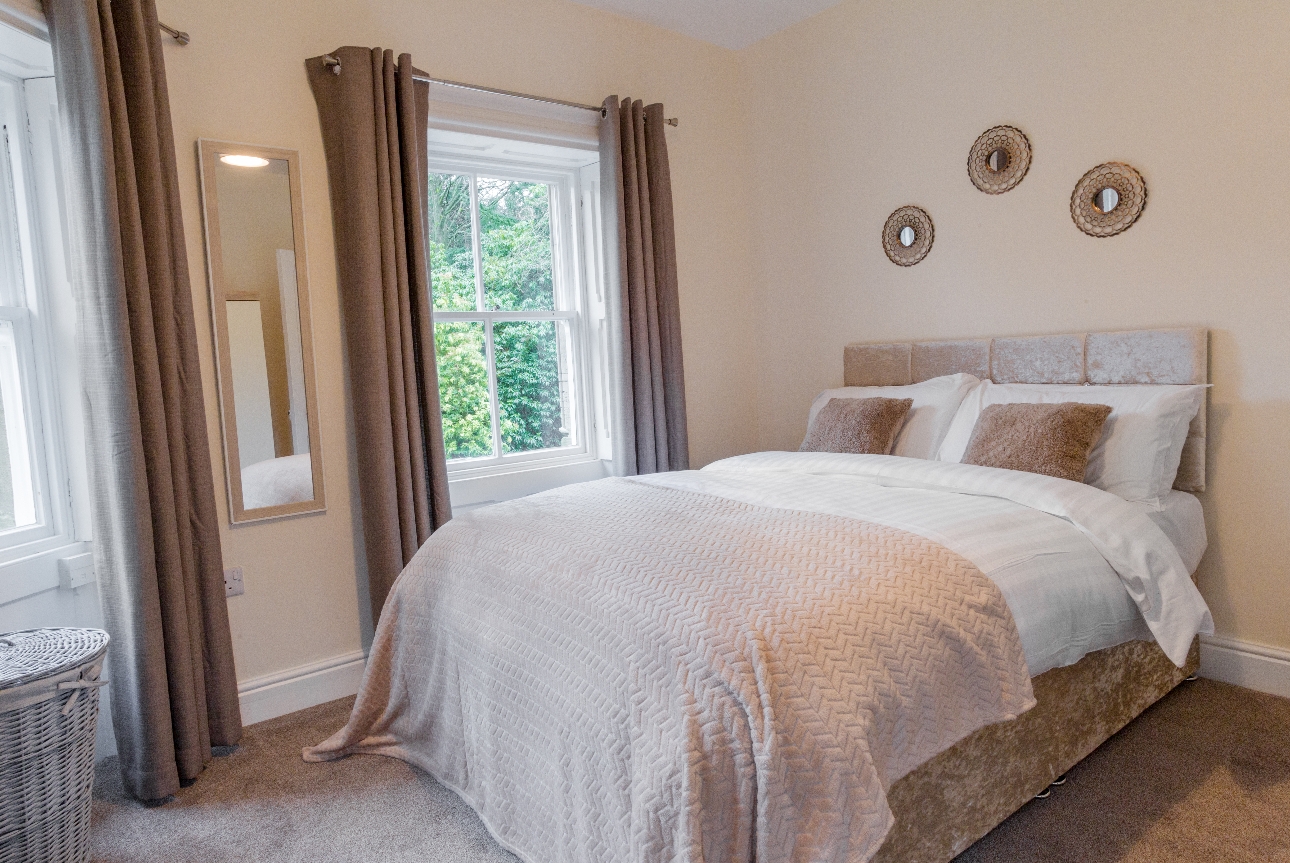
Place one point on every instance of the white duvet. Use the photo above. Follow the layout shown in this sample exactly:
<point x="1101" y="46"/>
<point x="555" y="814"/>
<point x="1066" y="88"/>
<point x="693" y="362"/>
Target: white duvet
<point x="1080" y="568"/>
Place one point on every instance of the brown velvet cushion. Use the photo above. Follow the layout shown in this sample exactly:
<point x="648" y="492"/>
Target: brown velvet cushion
<point x="1051" y="439"/>
<point x="865" y="426"/>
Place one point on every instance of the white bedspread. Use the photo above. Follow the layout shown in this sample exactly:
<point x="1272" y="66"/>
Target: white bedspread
<point x="1080" y="568"/>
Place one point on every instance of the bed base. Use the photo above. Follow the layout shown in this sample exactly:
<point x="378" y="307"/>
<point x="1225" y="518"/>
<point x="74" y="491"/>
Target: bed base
<point x="962" y="794"/>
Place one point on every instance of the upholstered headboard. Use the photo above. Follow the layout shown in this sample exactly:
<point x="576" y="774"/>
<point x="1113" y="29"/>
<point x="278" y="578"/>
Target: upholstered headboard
<point x="1178" y="356"/>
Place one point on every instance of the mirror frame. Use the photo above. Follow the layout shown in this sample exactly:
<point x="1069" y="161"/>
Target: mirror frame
<point x="1015" y="146"/>
<point x="1128" y="184"/>
<point x="208" y="151"/>
<point x="908" y="216"/>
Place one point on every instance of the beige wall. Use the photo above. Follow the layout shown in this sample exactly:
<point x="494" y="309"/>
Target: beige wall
<point x="243" y="79"/>
<point x="871" y="105"/>
<point x="788" y="158"/>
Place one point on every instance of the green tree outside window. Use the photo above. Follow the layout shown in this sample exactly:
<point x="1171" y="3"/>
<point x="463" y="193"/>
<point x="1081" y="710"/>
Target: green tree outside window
<point x="515" y="241"/>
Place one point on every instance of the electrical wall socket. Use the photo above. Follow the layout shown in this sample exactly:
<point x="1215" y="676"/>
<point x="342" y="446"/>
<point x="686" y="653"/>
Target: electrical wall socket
<point x="233" y="582"/>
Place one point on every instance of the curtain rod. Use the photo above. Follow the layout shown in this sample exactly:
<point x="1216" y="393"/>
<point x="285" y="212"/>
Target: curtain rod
<point x="178" y="35"/>
<point x="333" y="62"/>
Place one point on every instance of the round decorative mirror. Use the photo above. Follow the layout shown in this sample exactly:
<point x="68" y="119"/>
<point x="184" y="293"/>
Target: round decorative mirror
<point x="907" y="236"/>
<point x="999" y="159"/>
<point x="1108" y="199"/>
<point x="1105" y="200"/>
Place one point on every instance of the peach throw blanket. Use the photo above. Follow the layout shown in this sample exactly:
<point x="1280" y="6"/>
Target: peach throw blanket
<point x="617" y="671"/>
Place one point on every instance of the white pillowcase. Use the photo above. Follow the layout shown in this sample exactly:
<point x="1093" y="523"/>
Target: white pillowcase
<point x="929" y="418"/>
<point x="1142" y="442"/>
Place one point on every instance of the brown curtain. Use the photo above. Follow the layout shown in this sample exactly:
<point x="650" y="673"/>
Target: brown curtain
<point x="649" y="428"/>
<point x="375" y="122"/>
<point x="156" y="534"/>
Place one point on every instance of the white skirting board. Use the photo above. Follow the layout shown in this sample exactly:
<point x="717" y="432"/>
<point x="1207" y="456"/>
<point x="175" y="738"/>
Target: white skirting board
<point x="1253" y="666"/>
<point x="295" y="689"/>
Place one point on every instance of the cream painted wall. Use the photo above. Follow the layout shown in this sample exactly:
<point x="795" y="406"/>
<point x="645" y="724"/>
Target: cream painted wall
<point x="243" y="79"/>
<point x="788" y="158"/>
<point x="870" y="106"/>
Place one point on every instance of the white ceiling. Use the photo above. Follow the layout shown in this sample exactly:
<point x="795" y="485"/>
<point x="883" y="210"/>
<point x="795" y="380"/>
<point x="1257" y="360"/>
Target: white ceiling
<point x="728" y="23"/>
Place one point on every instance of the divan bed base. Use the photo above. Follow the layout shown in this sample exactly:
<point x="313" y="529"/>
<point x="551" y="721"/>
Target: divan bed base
<point x="948" y="803"/>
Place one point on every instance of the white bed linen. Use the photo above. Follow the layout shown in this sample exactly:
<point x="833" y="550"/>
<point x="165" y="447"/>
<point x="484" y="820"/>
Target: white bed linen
<point x="1141" y="445"/>
<point x="1181" y="519"/>
<point x="275" y="481"/>
<point x="1081" y="569"/>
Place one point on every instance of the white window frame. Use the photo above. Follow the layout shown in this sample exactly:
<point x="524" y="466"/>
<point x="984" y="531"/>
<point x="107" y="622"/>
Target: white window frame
<point x="30" y="209"/>
<point x="570" y="283"/>
<point x="15" y="540"/>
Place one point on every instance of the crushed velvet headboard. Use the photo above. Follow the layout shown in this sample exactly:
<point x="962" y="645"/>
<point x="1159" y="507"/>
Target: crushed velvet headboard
<point x="1179" y="356"/>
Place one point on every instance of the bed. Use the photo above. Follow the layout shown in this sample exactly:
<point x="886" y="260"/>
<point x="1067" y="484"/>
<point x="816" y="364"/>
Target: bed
<point x="794" y="656"/>
<point x="962" y="794"/>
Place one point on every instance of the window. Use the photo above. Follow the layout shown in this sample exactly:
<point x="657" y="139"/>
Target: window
<point x="34" y="506"/>
<point x="510" y="313"/>
<point x="44" y="489"/>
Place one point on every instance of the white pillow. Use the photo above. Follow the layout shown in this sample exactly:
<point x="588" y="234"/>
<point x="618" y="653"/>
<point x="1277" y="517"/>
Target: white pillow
<point x="1137" y="456"/>
<point x="935" y="402"/>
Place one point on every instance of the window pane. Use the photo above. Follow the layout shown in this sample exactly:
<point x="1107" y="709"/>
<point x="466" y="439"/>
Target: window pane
<point x="534" y="395"/>
<point x="17" y="491"/>
<point x="463" y="389"/>
<point x="452" y="253"/>
<point x="515" y="232"/>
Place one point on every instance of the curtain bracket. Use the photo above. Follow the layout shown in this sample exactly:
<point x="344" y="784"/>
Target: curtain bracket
<point x="178" y="35"/>
<point x="332" y="62"/>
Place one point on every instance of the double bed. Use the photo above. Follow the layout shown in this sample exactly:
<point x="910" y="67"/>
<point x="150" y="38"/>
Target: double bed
<point x="795" y="656"/>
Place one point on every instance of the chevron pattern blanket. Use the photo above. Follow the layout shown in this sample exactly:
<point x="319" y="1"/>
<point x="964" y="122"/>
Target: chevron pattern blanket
<point x="616" y="671"/>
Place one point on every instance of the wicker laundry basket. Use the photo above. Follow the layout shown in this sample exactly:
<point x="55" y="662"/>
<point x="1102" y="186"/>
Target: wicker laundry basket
<point x="49" y="706"/>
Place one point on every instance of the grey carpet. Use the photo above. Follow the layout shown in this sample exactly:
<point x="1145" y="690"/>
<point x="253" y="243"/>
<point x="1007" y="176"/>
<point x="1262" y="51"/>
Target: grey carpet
<point x="1203" y="775"/>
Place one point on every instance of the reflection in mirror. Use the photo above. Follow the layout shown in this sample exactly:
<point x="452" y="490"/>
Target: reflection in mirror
<point x="1106" y="200"/>
<point x="260" y="299"/>
<point x="907" y="236"/>
<point x="997" y="160"/>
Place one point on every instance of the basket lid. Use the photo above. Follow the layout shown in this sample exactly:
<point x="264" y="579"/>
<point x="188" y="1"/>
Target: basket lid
<point x="31" y="654"/>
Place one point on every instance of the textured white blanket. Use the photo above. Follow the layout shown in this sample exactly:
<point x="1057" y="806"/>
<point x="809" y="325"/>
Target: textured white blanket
<point x="619" y="671"/>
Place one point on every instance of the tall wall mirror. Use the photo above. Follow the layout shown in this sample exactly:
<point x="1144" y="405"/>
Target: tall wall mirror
<point x="255" y="251"/>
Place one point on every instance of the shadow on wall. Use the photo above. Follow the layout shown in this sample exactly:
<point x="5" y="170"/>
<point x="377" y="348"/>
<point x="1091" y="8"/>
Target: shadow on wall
<point x="366" y="625"/>
<point x="1246" y="533"/>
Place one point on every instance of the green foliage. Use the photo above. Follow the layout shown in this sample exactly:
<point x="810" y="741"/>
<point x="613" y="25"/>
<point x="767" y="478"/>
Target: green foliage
<point x="463" y="389"/>
<point x="515" y="236"/>
<point x="452" y="260"/>
<point x="528" y="385"/>
<point x="515" y="232"/>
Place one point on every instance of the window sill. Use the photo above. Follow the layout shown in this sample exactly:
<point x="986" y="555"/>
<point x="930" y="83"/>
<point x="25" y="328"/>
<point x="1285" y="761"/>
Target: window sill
<point x="36" y="573"/>
<point x="519" y="480"/>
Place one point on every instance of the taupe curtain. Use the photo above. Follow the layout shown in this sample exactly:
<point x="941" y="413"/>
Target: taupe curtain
<point x="156" y="534"/>
<point x="648" y="411"/>
<point x="375" y="123"/>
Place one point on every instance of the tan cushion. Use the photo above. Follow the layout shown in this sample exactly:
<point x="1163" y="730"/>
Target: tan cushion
<point x="1051" y="439"/>
<point x="863" y="426"/>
